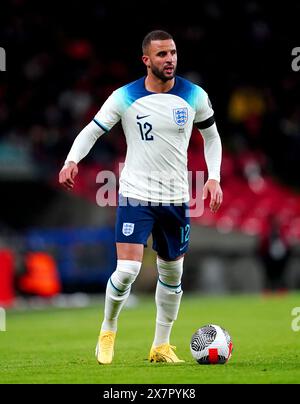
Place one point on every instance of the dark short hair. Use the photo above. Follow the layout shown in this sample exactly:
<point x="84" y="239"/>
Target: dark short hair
<point x="157" y="35"/>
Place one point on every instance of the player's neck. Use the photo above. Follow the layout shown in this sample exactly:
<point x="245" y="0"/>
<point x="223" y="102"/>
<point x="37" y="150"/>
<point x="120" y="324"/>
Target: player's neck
<point x="156" y="85"/>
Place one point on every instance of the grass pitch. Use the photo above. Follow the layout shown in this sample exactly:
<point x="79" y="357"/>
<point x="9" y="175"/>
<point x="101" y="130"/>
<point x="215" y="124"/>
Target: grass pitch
<point x="57" y="345"/>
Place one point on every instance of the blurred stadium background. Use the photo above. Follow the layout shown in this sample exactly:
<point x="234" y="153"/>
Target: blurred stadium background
<point x="62" y="62"/>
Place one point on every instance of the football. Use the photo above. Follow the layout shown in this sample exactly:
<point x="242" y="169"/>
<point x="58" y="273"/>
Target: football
<point x="211" y="344"/>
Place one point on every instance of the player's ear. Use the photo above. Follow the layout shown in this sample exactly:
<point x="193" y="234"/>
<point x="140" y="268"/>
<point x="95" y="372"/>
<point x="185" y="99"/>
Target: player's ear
<point x="146" y="60"/>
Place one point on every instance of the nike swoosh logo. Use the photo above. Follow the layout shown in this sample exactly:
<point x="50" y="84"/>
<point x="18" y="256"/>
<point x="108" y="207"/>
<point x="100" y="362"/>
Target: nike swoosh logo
<point x="141" y="117"/>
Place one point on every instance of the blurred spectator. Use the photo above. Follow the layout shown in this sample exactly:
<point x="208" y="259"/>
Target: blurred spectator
<point x="41" y="277"/>
<point x="246" y="108"/>
<point x="274" y="252"/>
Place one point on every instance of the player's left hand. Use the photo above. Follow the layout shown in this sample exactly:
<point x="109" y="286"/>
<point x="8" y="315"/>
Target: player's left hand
<point x="213" y="188"/>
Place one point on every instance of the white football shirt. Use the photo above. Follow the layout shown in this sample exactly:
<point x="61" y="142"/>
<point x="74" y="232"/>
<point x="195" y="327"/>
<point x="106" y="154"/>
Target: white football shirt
<point x="157" y="127"/>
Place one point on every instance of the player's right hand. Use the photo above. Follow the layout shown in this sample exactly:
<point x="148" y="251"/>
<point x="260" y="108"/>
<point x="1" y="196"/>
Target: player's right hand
<point x="67" y="174"/>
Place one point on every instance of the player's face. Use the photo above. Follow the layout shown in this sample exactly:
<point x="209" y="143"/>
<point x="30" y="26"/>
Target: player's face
<point x="161" y="59"/>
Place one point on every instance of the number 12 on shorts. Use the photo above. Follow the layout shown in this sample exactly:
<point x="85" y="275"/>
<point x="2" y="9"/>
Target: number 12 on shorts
<point x="184" y="233"/>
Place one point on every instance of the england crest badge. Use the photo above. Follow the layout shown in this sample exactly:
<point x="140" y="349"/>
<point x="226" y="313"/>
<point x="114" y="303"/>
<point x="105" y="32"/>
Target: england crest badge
<point x="180" y="116"/>
<point x="127" y="229"/>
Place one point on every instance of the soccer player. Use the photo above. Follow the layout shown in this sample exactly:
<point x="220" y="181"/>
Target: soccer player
<point x="157" y="112"/>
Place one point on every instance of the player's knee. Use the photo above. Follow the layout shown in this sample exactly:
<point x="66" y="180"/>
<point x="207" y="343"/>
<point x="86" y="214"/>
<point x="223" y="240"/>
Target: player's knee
<point x="170" y="272"/>
<point x="127" y="271"/>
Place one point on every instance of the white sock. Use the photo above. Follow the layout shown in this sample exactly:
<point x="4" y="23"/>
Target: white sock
<point x="167" y="297"/>
<point x="117" y="292"/>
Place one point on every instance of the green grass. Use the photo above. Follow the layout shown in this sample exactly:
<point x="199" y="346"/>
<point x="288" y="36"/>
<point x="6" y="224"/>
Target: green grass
<point x="57" y="345"/>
